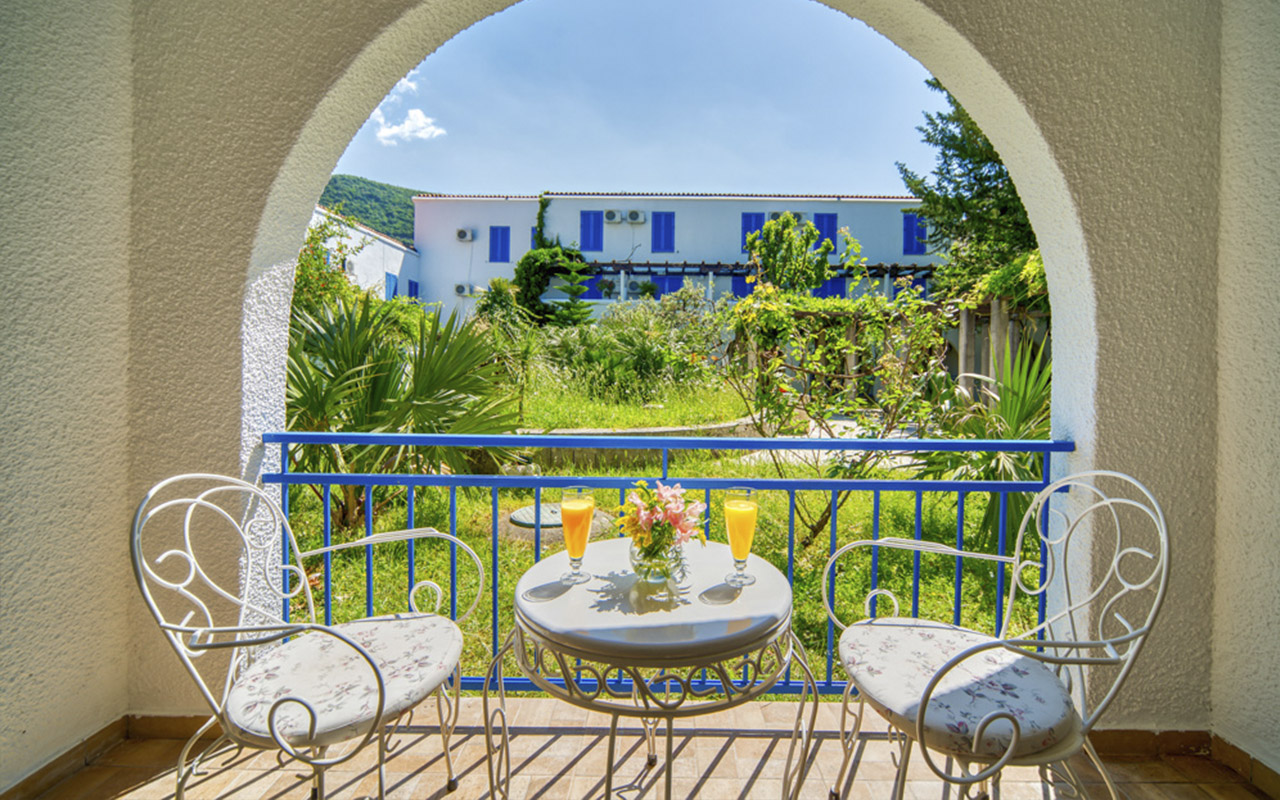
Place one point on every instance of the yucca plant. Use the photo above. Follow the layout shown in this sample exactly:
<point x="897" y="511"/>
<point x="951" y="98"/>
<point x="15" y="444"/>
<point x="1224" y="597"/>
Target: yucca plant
<point x="351" y="369"/>
<point x="1014" y="406"/>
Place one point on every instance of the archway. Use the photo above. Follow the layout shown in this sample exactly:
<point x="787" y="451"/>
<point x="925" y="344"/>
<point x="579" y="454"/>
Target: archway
<point x="912" y="26"/>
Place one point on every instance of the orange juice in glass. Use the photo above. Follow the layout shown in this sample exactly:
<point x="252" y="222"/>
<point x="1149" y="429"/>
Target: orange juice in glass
<point x="740" y="511"/>
<point x="577" y="507"/>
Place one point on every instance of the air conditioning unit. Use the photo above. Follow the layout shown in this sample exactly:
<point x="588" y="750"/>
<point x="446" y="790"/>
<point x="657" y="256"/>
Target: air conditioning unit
<point x="462" y="289"/>
<point x="465" y="235"/>
<point x="635" y="217"/>
<point x="798" y="216"/>
<point x="613" y="216"/>
<point x="633" y="286"/>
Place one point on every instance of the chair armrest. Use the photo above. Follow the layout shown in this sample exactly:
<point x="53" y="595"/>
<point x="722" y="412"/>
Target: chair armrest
<point x="189" y="636"/>
<point x="894" y="543"/>
<point x="406" y="535"/>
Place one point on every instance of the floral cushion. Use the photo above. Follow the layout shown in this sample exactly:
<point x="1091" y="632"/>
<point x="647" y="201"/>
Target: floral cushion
<point x="415" y="653"/>
<point x="891" y="661"/>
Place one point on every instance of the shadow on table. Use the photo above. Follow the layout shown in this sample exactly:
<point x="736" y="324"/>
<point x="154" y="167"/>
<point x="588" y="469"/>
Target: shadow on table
<point x="625" y="593"/>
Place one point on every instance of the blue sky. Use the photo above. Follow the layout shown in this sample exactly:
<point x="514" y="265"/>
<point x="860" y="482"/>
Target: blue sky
<point x="782" y="96"/>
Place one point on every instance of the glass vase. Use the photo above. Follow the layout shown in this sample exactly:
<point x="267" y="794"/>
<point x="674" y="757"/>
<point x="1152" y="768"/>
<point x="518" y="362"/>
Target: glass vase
<point x="657" y="569"/>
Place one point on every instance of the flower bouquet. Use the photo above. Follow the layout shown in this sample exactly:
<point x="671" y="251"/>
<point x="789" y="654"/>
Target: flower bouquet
<point x="660" y="521"/>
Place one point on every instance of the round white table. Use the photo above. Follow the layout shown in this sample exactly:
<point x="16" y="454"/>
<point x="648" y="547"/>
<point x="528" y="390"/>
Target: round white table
<point x="615" y="645"/>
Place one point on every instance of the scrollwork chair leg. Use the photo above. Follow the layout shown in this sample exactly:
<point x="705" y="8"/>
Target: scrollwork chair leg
<point x="1102" y="770"/>
<point x="904" y="760"/>
<point x="185" y="769"/>
<point x="848" y="739"/>
<point x="382" y="763"/>
<point x="448" y="704"/>
<point x="1063" y="771"/>
<point x="317" y="783"/>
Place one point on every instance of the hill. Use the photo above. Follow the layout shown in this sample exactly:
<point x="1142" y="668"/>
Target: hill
<point x="385" y="208"/>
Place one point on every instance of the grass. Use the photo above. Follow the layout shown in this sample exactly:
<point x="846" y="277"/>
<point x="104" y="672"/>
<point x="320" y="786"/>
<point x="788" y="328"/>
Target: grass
<point x="556" y="405"/>
<point x="854" y="521"/>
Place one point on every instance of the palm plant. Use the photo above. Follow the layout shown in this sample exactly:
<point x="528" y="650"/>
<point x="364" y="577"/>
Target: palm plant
<point x="351" y="370"/>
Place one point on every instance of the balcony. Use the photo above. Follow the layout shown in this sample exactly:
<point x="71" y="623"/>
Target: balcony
<point x="559" y="750"/>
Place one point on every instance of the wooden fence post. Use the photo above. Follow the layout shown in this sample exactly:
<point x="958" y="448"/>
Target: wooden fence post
<point x="999" y="334"/>
<point x="964" y="351"/>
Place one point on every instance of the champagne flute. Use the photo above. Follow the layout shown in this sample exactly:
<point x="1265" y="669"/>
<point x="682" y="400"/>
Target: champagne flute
<point x="577" y="507"/>
<point x="740" y="511"/>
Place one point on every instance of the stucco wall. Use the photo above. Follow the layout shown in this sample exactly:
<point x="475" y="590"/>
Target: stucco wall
<point x="64" y="516"/>
<point x="1246" y="633"/>
<point x="1125" y="97"/>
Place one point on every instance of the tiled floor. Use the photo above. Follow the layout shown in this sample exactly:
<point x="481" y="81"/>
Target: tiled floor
<point x="559" y="752"/>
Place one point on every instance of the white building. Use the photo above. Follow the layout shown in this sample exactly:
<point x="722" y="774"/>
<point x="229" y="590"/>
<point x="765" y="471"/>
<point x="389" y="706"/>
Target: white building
<point x="463" y="241"/>
<point x="381" y="263"/>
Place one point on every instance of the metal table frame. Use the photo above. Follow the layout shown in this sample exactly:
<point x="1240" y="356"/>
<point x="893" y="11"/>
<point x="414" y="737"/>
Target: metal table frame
<point x="655" y="690"/>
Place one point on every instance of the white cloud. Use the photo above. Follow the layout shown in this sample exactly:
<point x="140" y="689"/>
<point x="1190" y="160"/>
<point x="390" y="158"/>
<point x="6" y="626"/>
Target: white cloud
<point x="406" y="85"/>
<point x="416" y="125"/>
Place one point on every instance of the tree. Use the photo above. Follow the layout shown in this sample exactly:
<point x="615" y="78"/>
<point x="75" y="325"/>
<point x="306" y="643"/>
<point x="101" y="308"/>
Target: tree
<point x="575" y="310"/>
<point x="789" y="256"/>
<point x="533" y="275"/>
<point x="320" y="278"/>
<point x="799" y="362"/>
<point x="971" y="206"/>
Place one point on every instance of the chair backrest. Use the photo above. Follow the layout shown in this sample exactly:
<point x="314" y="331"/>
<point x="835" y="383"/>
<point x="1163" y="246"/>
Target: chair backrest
<point x="1105" y="552"/>
<point x="206" y="555"/>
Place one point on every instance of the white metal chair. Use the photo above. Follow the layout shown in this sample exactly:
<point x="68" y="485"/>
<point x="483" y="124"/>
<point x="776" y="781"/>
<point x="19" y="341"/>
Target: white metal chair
<point x="1021" y="698"/>
<point x="296" y="685"/>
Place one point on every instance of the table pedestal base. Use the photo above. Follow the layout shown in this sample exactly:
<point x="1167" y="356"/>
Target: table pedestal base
<point x="650" y="694"/>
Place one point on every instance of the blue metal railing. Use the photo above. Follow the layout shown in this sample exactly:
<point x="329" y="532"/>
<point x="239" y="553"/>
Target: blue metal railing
<point x="664" y="445"/>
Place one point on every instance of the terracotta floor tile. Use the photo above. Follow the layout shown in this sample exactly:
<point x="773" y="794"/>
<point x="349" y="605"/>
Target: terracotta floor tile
<point x="1165" y="791"/>
<point x="1125" y="771"/>
<point x="1231" y="791"/>
<point x="80" y="785"/>
<point x="1203" y="770"/>
<point x="142" y="753"/>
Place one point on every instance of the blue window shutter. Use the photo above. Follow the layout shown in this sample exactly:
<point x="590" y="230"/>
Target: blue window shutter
<point x="391" y="282"/>
<point x="664" y="232"/>
<point x="832" y="287"/>
<point x="913" y="233"/>
<point x="826" y="225"/>
<point x="499" y="244"/>
<point x="413" y="289"/>
<point x="922" y="283"/>
<point x="533" y="237"/>
<point x="740" y="286"/>
<point x="591" y="225"/>
<point x="751" y="221"/>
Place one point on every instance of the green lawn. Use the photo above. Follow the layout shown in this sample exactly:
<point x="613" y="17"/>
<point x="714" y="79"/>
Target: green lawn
<point x="474" y="516"/>
<point x="554" y="405"/>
